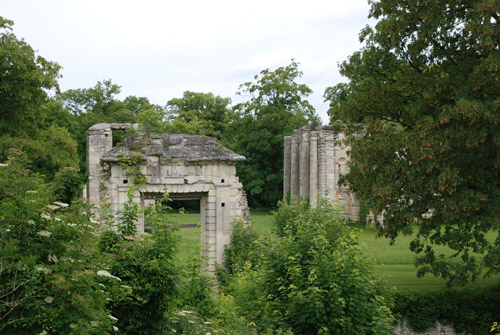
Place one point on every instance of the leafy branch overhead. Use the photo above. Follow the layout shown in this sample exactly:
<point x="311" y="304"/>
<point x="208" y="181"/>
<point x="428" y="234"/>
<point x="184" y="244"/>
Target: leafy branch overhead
<point x="425" y="89"/>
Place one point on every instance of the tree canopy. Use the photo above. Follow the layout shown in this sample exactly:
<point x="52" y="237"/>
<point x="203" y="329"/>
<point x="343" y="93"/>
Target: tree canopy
<point x="211" y="114"/>
<point x="423" y="106"/>
<point x="276" y="106"/>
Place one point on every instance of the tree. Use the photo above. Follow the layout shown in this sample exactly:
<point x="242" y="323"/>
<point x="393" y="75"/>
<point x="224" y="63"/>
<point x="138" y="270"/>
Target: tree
<point x="25" y="79"/>
<point x="28" y="118"/>
<point x="137" y="104"/>
<point x="423" y="106"/>
<point x="276" y="107"/>
<point x="93" y="105"/>
<point x="211" y="114"/>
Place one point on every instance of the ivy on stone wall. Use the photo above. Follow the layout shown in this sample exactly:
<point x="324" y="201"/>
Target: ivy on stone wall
<point x="131" y="163"/>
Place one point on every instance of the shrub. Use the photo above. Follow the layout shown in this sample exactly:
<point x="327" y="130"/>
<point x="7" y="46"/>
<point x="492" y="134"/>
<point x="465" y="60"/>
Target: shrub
<point x="313" y="278"/>
<point x="467" y="310"/>
<point x="49" y="260"/>
<point x="145" y="265"/>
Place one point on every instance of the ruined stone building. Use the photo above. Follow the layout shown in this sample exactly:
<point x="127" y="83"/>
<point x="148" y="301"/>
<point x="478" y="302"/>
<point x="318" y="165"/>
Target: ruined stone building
<point x="314" y="159"/>
<point x="186" y="166"/>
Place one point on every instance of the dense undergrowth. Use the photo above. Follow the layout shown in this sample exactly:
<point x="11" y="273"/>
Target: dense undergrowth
<point x="64" y="271"/>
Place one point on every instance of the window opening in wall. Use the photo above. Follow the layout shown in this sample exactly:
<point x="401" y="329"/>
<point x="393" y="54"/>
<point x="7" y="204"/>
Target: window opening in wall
<point x="119" y="136"/>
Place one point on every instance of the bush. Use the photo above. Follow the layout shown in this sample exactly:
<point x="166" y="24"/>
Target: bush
<point x="144" y="264"/>
<point x="312" y="279"/>
<point x="49" y="260"/>
<point x="467" y="310"/>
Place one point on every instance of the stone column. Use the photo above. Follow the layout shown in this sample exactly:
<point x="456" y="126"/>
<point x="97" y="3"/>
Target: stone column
<point x="304" y="162"/>
<point x="99" y="141"/>
<point x="322" y="161"/>
<point x="287" y="166"/>
<point x="313" y="168"/>
<point x="294" y="165"/>
<point x="331" y="185"/>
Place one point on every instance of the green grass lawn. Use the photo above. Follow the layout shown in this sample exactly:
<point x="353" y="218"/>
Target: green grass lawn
<point x="393" y="262"/>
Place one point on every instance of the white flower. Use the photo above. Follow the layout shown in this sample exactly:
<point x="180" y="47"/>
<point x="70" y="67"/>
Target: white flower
<point x="49" y="299"/>
<point x="44" y="233"/>
<point x="112" y="318"/>
<point x="60" y="204"/>
<point x="52" y="207"/>
<point x="42" y="268"/>
<point x="104" y="273"/>
<point x="5" y="165"/>
<point x="115" y="328"/>
<point x="45" y="216"/>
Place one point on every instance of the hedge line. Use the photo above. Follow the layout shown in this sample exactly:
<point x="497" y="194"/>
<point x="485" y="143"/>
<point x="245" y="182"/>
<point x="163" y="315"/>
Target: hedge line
<point x="467" y="310"/>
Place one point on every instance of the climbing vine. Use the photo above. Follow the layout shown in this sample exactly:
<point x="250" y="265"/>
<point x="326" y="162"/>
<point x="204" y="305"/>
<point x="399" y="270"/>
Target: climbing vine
<point x="131" y="163"/>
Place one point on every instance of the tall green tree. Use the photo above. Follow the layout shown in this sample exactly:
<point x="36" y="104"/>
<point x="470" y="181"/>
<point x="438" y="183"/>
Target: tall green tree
<point x="426" y="90"/>
<point x="98" y="104"/>
<point x="25" y="80"/>
<point x="27" y="113"/>
<point x="276" y="106"/>
<point x="210" y="115"/>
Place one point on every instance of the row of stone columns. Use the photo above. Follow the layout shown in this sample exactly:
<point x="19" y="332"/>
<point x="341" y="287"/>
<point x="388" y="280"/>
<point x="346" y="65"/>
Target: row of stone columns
<point x="309" y="164"/>
<point x="313" y="161"/>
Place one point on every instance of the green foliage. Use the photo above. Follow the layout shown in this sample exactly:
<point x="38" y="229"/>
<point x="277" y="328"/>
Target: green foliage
<point x="145" y="265"/>
<point x="128" y="215"/>
<point x="467" y="311"/>
<point x="48" y="260"/>
<point x="196" y="290"/>
<point x="138" y="104"/>
<point x="495" y="328"/>
<point x="94" y="105"/>
<point x="25" y="121"/>
<point x="20" y="64"/>
<point x="277" y="105"/>
<point x="150" y="121"/>
<point x="312" y="279"/>
<point x="244" y="249"/>
<point x="200" y="113"/>
<point x="425" y="89"/>
<point x="131" y="163"/>
<point x="68" y="184"/>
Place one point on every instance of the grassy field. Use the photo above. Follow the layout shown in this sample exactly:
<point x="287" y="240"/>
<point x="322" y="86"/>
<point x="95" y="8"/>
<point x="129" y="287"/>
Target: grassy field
<point x="393" y="262"/>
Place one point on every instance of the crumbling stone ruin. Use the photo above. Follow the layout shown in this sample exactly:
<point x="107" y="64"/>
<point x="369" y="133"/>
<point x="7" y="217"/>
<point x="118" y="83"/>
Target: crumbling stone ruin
<point x="314" y="159"/>
<point x="188" y="167"/>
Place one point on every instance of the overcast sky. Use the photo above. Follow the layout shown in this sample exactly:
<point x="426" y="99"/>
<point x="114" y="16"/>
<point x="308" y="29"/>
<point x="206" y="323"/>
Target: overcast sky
<point x="159" y="49"/>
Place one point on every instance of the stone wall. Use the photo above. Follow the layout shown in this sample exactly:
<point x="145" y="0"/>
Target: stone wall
<point x="185" y="166"/>
<point x="439" y="329"/>
<point x="314" y="159"/>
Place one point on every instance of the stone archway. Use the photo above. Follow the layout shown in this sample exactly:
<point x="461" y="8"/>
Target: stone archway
<point x="183" y="165"/>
